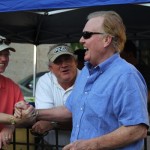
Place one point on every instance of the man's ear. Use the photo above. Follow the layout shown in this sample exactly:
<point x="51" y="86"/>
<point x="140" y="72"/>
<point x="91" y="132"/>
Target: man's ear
<point x="107" y="40"/>
<point x="49" y="67"/>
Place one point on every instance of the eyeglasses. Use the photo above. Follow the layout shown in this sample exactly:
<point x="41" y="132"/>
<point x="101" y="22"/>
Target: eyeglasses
<point x="5" y="41"/>
<point x="87" y="34"/>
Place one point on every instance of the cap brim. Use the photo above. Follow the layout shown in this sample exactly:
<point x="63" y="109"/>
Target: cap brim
<point x="11" y="49"/>
<point x="6" y="47"/>
<point x="59" y="54"/>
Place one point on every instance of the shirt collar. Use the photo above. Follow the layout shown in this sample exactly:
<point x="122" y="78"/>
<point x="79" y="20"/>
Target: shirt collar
<point x="104" y="65"/>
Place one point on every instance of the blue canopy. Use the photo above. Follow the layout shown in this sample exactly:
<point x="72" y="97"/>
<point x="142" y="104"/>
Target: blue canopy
<point x="45" y="21"/>
<point x="22" y="5"/>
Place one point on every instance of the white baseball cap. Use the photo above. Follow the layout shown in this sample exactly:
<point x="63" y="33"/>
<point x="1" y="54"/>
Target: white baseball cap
<point x="4" y="44"/>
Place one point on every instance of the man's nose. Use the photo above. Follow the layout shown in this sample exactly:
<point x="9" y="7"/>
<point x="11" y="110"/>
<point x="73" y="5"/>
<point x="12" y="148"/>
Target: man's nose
<point x="65" y="62"/>
<point x="81" y="40"/>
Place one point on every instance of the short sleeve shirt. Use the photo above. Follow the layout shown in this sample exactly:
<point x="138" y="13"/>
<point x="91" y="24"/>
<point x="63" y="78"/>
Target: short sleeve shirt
<point x="49" y="93"/>
<point x="111" y="95"/>
<point x="10" y="94"/>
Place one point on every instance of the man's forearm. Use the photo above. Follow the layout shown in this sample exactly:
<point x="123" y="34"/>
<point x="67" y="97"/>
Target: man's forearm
<point x="121" y="137"/>
<point x="58" y="114"/>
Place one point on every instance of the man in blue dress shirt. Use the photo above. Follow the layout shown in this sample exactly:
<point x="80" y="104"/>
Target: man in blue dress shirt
<point x="108" y="105"/>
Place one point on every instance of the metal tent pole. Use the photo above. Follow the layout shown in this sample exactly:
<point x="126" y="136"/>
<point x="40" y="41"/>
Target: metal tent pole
<point x="34" y="68"/>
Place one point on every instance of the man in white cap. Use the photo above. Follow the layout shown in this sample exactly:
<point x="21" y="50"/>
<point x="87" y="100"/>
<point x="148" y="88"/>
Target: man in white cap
<point x="10" y="92"/>
<point x="54" y="87"/>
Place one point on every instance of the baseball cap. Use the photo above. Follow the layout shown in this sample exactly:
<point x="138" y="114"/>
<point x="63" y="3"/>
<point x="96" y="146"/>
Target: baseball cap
<point x="59" y="50"/>
<point x="4" y="44"/>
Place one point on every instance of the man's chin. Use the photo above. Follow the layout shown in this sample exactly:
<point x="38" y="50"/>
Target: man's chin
<point x="66" y="77"/>
<point x="86" y="58"/>
<point x="2" y="70"/>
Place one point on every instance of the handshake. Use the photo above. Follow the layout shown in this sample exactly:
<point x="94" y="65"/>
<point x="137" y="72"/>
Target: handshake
<point x="25" y="114"/>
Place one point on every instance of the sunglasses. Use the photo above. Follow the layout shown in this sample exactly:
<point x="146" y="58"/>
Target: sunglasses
<point x="5" y="41"/>
<point x="87" y="34"/>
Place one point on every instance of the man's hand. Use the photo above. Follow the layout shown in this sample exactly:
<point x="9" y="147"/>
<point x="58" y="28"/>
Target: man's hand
<point x="41" y="127"/>
<point x="6" y="136"/>
<point x="22" y="105"/>
<point x="28" y="113"/>
<point x="25" y="112"/>
<point x="82" y="145"/>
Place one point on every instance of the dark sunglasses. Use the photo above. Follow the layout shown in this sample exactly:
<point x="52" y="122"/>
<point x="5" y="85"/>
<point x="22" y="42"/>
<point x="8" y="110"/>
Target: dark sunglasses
<point x="87" y="34"/>
<point x="5" y="41"/>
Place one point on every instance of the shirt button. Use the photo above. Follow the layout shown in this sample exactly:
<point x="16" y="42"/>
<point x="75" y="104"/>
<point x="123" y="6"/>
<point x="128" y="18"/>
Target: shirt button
<point x="77" y="126"/>
<point x="81" y="108"/>
<point x="85" y="92"/>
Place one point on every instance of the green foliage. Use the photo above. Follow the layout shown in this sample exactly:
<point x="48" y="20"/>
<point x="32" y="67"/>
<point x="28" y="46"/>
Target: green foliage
<point x="76" y="46"/>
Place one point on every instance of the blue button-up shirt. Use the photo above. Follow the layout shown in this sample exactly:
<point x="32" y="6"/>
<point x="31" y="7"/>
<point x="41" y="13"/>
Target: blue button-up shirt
<point x="111" y="95"/>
